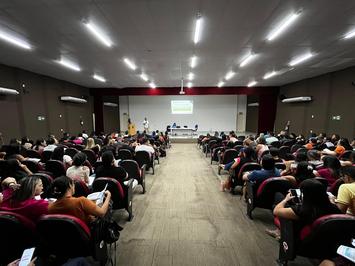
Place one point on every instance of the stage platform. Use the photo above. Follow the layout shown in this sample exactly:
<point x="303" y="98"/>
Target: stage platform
<point x="193" y="138"/>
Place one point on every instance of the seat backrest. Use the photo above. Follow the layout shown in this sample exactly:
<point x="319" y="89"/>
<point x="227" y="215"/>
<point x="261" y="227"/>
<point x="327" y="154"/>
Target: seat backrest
<point x="345" y="156"/>
<point x="238" y="142"/>
<point x="275" y="144"/>
<point x="17" y="233"/>
<point x="327" y="233"/>
<point x="3" y="168"/>
<point x="238" y="147"/>
<point x="33" y="154"/>
<point x="124" y="154"/>
<point x="55" y="167"/>
<point x="117" y="192"/>
<point x="46" y="156"/>
<point x="63" y="235"/>
<point x="81" y="189"/>
<point x="143" y="157"/>
<point x="266" y="191"/>
<point x="71" y="152"/>
<point x="295" y="147"/>
<point x="31" y="165"/>
<point x="247" y="167"/>
<point x="91" y="156"/>
<point x="229" y="155"/>
<point x="132" y="168"/>
<point x="335" y="186"/>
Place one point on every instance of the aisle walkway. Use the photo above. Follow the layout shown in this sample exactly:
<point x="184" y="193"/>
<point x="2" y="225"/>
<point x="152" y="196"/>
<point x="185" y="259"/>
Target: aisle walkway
<point x="183" y="219"/>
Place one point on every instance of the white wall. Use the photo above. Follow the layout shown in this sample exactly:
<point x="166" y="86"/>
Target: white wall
<point x="211" y="112"/>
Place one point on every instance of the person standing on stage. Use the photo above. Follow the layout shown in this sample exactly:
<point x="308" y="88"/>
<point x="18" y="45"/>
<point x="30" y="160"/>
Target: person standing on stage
<point x="131" y="128"/>
<point x="146" y="125"/>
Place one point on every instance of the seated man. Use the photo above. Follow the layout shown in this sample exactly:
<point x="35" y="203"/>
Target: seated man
<point x="269" y="170"/>
<point x="346" y="195"/>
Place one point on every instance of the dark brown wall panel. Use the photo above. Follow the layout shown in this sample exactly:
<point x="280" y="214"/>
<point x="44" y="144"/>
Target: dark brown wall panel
<point x="333" y="95"/>
<point x="40" y="97"/>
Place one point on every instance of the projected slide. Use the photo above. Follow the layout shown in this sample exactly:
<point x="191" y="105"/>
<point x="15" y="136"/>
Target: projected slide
<point x="182" y="107"/>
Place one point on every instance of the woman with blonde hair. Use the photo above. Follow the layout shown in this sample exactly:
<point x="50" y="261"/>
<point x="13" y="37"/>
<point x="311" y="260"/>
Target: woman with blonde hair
<point x="90" y="144"/>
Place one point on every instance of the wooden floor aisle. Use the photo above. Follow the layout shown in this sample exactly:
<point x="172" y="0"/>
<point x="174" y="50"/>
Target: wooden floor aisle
<point x="183" y="219"/>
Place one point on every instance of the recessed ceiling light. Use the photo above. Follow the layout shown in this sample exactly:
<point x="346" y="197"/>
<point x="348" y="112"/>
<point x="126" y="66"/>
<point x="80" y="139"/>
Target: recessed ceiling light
<point x="189" y="84"/>
<point x="252" y="83"/>
<point x="220" y="84"/>
<point x="198" y="29"/>
<point x="300" y="59"/>
<point x="129" y="63"/>
<point x="14" y="40"/>
<point x="193" y="61"/>
<point x="269" y="75"/>
<point x="69" y="64"/>
<point x="144" y="77"/>
<point x="152" y="85"/>
<point x="190" y="76"/>
<point x="283" y="25"/>
<point x="350" y="34"/>
<point x="247" y="59"/>
<point x="98" y="34"/>
<point x="99" y="78"/>
<point x="229" y="75"/>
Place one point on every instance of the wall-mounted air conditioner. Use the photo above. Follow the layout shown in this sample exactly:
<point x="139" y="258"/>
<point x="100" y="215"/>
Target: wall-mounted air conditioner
<point x="253" y="104"/>
<point x="110" y="104"/>
<point x="5" y="91"/>
<point x="297" y="99"/>
<point x="72" y="99"/>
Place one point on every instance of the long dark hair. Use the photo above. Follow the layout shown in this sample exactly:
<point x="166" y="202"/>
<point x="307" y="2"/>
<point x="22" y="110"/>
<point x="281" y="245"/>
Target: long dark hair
<point x="332" y="163"/>
<point x="58" y="154"/>
<point x="315" y="201"/>
<point x="60" y="186"/>
<point x="26" y="190"/>
<point x="304" y="171"/>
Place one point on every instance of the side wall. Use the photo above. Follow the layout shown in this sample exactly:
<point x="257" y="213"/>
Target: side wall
<point x="333" y="95"/>
<point x="21" y="115"/>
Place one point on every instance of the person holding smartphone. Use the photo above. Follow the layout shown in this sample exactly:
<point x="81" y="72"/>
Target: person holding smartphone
<point x="314" y="203"/>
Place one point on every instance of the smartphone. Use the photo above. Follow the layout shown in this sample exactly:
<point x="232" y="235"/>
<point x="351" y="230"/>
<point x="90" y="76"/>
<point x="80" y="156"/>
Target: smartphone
<point x="26" y="257"/>
<point x="296" y="193"/>
<point x="330" y="194"/>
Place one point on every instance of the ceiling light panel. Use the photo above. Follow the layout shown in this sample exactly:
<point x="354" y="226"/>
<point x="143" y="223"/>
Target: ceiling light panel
<point x="190" y="76"/>
<point x="144" y="77"/>
<point x="198" y="29"/>
<point x="220" y="84"/>
<point x="129" y="63"/>
<point x="270" y="74"/>
<point x="247" y="60"/>
<point x="229" y="75"/>
<point x="189" y="84"/>
<point x="68" y="64"/>
<point x="350" y="34"/>
<point x="193" y="61"/>
<point x="252" y="83"/>
<point x="98" y="33"/>
<point x="286" y="23"/>
<point x="301" y="59"/>
<point x="14" y="40"/>
<point x="99" y="78"/>
<point x="152" y="85"/>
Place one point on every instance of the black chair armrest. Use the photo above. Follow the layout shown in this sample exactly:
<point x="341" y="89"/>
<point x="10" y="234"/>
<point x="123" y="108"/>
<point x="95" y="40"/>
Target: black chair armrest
<point x="143" y="177"/>
<point x="128" y="199"/>
<point x="287" y="249"/>
<point x="250" y="198"/>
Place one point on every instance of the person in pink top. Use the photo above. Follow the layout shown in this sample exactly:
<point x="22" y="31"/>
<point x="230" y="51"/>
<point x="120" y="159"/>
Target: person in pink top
<point x="330" y="170"/>
<point x="22" y="200"/>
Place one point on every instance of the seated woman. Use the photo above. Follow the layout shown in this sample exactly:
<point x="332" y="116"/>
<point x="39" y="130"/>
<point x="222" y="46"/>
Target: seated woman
<point x="331" y="170"/>
<point x="16" y="169"/>
<point x="261" y="147"/>
<point x="315" y="203"/>
<point x="22" y="200"/>
<point x="78" y="170"/>
<point x="302" y="172"/>
<point x="109" y="169"/>
<point x="58" y="154"/>
<point x="63" y="189"/>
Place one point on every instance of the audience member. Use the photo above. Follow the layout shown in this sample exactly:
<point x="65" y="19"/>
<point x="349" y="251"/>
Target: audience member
<point x="109" y="169"/>
<point x="331" y="170"/>
<point x="78" y="170"/>
<point x="346" y="194"/>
